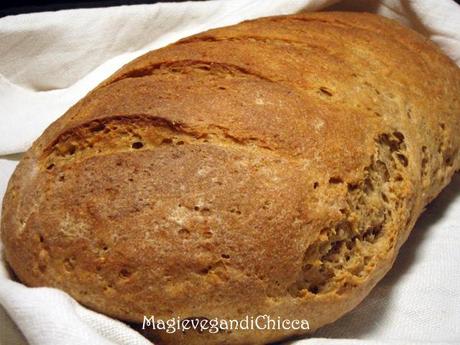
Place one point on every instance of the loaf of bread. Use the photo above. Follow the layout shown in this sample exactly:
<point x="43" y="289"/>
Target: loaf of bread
<point x="271" y="168"/>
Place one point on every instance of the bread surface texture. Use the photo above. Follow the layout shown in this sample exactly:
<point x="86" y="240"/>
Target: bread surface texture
<point x="272" y="167"/>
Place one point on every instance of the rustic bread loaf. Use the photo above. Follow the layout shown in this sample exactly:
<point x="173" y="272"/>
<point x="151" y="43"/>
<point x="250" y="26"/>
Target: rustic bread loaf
<point x="272" y="167"/>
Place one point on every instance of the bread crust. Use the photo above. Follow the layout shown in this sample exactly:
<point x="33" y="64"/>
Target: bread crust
<point x="273" y="167"/>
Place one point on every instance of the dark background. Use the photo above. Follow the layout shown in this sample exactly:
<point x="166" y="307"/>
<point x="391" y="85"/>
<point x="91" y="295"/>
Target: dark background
<point x="8" y="7"/>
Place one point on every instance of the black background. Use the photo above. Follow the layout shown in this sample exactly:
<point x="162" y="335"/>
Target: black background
<point x="26" y="6"/>
<point x="8" y="7"/>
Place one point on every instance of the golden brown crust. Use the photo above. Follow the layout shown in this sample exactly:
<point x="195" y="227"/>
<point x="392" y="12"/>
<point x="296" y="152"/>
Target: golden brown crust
<point x="272" y="167"/>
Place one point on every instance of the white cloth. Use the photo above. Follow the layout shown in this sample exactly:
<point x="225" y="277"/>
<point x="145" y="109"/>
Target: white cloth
<point x="50" y="60"/>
